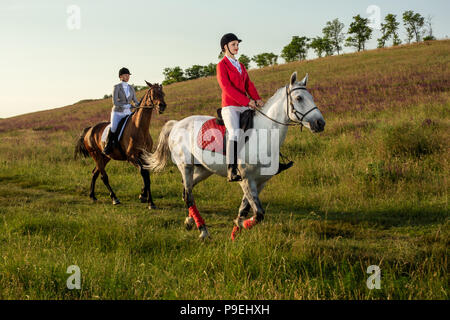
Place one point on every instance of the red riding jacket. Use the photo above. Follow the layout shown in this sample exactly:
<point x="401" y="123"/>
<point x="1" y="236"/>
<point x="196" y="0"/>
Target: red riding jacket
<point x="235" y="85"/>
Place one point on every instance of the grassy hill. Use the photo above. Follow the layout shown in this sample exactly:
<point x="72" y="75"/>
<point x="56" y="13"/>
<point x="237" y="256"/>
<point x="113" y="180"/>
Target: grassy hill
<point x="372" y="189"/>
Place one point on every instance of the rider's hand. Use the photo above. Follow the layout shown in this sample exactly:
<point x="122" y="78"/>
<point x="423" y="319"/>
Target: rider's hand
<point x="260" y="103"/>
<point x="252" y="104"/>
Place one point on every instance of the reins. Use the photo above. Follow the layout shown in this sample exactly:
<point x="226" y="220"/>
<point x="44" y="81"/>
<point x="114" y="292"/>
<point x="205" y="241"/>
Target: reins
<point x="145" y="107"/>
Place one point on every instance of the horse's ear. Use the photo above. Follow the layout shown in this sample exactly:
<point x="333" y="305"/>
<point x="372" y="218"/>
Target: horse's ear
<point x="293" y="78"/>
<point x="148" y="83"/>
<point x="304" y="81"/>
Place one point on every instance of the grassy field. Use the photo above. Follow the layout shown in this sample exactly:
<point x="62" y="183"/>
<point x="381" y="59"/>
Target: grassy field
<point x="372" y="189"/>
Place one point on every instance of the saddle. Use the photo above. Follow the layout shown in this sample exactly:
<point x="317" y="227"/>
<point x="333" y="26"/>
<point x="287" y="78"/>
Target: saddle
<point x="119" y="130"/>
<point x="245" y="120"/>
<point x="212" y="135"/>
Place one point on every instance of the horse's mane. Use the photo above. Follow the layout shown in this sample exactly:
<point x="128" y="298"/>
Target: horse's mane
<point x="144" y="96"/>
<point x="271" y="101"/>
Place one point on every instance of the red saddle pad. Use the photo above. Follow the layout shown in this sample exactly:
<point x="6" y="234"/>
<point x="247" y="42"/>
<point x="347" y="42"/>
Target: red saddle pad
<point x="212" y="137"/>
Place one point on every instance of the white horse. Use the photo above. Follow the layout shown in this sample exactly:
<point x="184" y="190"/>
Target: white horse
<point x="290" y="105"/>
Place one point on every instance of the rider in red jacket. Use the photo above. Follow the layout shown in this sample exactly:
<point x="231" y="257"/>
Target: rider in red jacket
<point x="235" y="83"/>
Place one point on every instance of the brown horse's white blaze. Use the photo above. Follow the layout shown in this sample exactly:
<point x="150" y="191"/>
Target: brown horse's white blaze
<point x="135" y="142"/>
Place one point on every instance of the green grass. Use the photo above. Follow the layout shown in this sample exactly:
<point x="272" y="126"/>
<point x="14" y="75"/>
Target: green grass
<point x="372" y="189"/>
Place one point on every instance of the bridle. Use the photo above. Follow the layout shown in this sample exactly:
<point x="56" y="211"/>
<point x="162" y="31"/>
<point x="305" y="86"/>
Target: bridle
<point x="295" y="111"/>
<point x="300" y="116"/>
<point x="146" y="107"/>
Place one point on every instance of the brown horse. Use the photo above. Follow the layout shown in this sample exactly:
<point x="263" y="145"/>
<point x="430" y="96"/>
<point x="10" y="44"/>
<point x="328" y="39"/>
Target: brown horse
<point x="134" y="142"/>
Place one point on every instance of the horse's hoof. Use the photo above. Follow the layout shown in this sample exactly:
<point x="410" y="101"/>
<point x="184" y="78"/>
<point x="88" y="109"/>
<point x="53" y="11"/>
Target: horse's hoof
<point x="189" y="223"/>
<point x="94" y="199"/>
<point x="152" y="207"/>
<point x="116" y="202"/>
<point x="204" y="234"/>
<point x="143" y="199"/>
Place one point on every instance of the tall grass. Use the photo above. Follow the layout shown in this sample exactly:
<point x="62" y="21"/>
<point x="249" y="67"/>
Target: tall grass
<point x="372" y="189"/>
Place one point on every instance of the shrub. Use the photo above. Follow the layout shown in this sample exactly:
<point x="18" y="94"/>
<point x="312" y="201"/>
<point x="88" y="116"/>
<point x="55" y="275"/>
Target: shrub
<point x="409" y="139"/>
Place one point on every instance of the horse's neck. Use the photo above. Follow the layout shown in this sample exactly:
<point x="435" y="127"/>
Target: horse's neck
<point x="142" y="118"/>
<point x="275" y="108"/>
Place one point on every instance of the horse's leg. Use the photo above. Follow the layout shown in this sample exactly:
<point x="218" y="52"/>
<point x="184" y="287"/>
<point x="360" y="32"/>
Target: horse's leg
<point x="245" y="206"/>
<point x="251" y="193"/>
<point x="144" y="193"/>
<point x="147" y="193"/>
<point x="95" y="174"/>
<point x="194" y="216"/>
<point x="105" y="180"/>
<point x="200" y="174"/>
<point x="151" y="204"/>
<point x="244" y="209"/>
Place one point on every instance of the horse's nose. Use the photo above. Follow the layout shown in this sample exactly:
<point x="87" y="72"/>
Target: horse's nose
<point x="162" y="107"/>
<point x="320" y="125"/>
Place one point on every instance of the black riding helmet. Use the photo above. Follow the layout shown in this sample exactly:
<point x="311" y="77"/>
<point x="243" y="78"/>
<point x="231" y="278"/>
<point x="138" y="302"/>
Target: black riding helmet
<point x="226" y="39"/>
<point x="124" y="71"/>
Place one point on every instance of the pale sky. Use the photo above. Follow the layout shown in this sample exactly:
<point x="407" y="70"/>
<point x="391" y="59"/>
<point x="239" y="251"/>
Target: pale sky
<point x="46" y="63"/>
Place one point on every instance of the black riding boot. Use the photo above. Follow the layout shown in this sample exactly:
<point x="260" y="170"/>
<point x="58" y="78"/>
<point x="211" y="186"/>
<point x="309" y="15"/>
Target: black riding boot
<point x="284" y="166"/>
<point x="232" y="153"/>
<point x="110" y="142"/>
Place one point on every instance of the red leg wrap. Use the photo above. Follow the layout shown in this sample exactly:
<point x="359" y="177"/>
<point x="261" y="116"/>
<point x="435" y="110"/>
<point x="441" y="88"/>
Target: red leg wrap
<point x="193" y="212"/>
<point x="250" y="223"/>
<point x="235" y="232"/>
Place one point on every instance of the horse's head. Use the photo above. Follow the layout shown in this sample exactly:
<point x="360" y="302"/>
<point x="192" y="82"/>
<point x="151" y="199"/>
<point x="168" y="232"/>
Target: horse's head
<point x="301" y="106"/>
<point x="154" y="97"/>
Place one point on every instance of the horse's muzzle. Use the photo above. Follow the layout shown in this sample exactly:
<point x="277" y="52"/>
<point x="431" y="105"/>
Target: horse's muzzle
<point x="318" y="125"/>
<point x="161" y="108"/>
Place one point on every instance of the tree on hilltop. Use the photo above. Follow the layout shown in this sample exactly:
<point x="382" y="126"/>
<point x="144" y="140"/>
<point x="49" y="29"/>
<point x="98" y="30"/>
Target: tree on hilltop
<point x="389" y="29"/>
<point x="414" y="24"/>
<point x="361" y="32"/>
<point x="333" y="31"/>
<point x="173" y="75"/>
<point x="265" y="59"/>
<point x="296" y="49"/>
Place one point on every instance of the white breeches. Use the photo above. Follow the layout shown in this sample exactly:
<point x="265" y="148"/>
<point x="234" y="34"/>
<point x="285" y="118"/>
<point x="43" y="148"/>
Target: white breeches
<point x="231" y="116"/>
<point x="116" y="117"/>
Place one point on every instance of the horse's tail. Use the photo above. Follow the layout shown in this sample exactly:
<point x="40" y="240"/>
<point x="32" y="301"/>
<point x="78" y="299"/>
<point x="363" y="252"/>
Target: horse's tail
<point x="158" y="160"/>
<point x="80" y="147"/>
